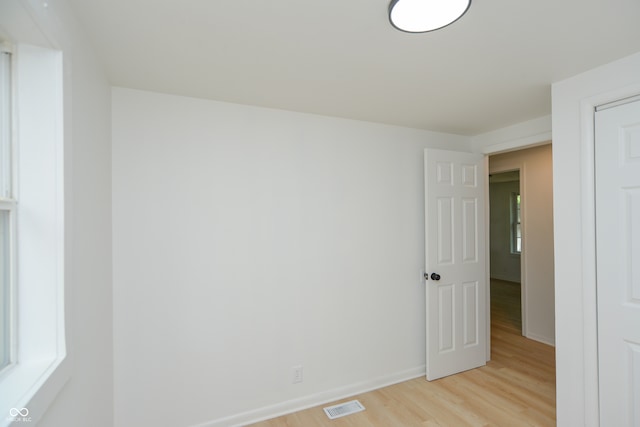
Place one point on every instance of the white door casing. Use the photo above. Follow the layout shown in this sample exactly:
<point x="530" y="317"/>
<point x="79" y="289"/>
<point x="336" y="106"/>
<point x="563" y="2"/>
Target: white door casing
<point x="617" y="184"/>
<point x="455" y="250"/>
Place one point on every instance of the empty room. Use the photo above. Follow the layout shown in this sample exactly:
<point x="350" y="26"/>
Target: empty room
<point x="234" y="213"/>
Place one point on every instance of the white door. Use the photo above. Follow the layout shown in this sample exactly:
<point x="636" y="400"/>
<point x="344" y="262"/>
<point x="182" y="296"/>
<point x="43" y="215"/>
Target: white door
<point x="617" y="165"/>
<point x="455" y="251"/>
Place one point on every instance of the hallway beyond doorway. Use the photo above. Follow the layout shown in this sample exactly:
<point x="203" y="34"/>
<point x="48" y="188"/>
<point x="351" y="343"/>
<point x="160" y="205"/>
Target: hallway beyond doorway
<point x="506" y="310"/>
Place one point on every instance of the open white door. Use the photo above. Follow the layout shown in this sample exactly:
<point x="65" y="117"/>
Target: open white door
<point x="455" y="251"/>
<point x="617" y="161"/>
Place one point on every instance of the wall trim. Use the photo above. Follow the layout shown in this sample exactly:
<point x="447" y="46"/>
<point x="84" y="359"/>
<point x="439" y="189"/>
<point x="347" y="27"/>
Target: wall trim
<point x="306" y="402"/>
<point x="516" y="137"/>
<point x="519" y="144"/>
<point x="540" y="338"/>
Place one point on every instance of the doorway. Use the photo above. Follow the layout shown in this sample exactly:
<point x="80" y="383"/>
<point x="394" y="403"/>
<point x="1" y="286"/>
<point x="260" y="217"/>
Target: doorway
<point x="535" y="238"/>
<point x="505" y="248"/>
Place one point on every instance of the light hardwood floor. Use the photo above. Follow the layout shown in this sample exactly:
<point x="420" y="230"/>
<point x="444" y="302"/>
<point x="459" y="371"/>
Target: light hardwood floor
<point x="516" y="388"/>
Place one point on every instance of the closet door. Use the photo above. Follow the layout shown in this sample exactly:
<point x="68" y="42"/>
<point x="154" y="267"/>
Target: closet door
<point x="617" y="166"/>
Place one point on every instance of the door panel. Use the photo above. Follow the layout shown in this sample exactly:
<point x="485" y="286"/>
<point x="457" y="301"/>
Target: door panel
<point x="617" y="158"/>
<point x="469" y="230"/>
<point x="445" y="318"/>
<point x="456" y="304"/>
<point x="470" y="312"/>
<point x="445" y="230"/>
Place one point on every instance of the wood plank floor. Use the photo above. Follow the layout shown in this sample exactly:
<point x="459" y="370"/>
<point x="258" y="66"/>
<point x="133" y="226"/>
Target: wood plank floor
<point x="516" y="388"/>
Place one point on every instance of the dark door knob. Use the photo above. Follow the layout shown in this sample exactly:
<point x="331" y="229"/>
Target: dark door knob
<point x="435" y="276"/>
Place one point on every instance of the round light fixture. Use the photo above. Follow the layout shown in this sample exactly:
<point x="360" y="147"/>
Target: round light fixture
<point x="421" y="16"/>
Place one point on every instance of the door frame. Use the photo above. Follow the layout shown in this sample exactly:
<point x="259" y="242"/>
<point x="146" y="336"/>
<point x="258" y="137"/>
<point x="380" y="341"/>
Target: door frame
<point x="535" y="140"/>
<point x="608" y="125"/>
<point x="589" y="298"/>
<point x="574" y="103"/>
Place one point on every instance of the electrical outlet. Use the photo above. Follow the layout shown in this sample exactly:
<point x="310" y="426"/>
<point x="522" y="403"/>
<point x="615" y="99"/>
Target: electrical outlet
<point x="296" y="374"/>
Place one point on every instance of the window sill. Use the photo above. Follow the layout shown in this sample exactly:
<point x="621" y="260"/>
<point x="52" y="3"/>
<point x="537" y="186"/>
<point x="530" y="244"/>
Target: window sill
<point x="32" y="386"/>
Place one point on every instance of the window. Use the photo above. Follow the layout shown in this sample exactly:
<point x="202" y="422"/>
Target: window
<point x="32" y="334"/>
<point x="516" y="227"/>
<point x="7" y="211"/>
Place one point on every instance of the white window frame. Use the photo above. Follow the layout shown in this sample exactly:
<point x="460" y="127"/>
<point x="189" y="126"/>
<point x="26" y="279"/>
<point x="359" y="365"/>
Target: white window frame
<point x="8" y="203"/>
<point x="40" y="365"/>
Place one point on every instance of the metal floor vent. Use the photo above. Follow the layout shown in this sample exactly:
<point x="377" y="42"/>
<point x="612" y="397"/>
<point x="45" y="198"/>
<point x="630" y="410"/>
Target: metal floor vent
<point x="346" y="408"/>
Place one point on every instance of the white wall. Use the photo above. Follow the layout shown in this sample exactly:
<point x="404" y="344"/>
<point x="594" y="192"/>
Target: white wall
<point x="536" y="176"/>
<point x="87" y="397"/>
<point x="576" y="350"/>
<point x="249" y="240"/>
<point x="504" y="264"/>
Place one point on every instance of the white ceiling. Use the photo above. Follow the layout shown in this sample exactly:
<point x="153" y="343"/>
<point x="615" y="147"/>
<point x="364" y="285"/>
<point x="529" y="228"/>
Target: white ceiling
<point x="491" y="69"/>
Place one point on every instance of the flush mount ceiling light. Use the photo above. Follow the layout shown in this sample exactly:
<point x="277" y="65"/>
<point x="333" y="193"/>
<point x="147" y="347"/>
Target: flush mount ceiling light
<point x="421" y="16"/>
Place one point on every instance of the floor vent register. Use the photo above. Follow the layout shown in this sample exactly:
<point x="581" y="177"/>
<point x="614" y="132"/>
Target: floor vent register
<point x="343" y="409"/>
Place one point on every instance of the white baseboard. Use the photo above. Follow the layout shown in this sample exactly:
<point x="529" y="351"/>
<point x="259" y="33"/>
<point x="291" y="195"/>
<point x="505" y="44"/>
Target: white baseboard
<point x="539" y="338"/>
<point x="317" y="399"/>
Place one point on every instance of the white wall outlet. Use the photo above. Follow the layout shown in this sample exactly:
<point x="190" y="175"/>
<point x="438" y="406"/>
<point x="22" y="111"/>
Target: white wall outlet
<point x="296" y="374"/>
